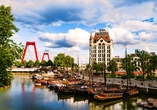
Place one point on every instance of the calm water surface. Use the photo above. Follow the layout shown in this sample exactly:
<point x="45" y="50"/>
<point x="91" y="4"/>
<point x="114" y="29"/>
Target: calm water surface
<point x="23" y="95"/>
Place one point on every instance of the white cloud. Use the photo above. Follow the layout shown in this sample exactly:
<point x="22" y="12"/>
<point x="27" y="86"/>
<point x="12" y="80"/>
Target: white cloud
<point x="52" y="36"/>
<point x="78" y="35"/>
<point x="47" y="44"/>
<point x="145" y="36"/>
<point x="73" y="49"/>
<point x="121" y="35"/>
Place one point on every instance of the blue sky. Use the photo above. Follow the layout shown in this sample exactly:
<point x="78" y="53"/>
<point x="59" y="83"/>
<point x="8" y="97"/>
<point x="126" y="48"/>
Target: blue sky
<point x="64" y="26"/>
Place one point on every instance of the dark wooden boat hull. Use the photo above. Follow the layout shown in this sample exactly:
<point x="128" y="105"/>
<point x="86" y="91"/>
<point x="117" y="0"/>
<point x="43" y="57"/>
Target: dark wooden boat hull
<point x="81" y="91"/>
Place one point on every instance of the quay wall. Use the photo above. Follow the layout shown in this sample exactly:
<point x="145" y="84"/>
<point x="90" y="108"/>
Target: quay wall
<point x="142" y="89"/>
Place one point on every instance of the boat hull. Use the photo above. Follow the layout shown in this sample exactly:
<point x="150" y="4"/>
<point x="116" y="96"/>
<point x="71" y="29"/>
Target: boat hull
<point x="108" y="96"/>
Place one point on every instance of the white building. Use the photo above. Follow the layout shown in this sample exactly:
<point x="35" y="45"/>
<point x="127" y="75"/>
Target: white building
<point x="100" y="47"/>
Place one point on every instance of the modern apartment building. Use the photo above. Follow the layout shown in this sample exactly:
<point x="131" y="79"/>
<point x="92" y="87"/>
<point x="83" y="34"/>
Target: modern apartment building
<point x="100" y="47"/>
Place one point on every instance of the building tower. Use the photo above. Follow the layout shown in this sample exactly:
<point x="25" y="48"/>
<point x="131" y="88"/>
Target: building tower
<point x="100" y="47"/>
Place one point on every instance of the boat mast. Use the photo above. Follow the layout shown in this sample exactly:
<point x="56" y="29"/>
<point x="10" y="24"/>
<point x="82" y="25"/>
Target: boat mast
<point x="64" y="64"/>
<point x="78" y="65"/>
<point x="92" y="68"/>
<point x="126" y="64"/>
<point x="71" y="76"/>
<point x="104" y="73"/>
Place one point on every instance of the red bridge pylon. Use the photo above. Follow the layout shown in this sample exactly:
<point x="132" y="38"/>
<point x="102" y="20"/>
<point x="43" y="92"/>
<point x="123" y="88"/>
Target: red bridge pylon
<point x="45" y="53"/>
<point x="27" y="44"/>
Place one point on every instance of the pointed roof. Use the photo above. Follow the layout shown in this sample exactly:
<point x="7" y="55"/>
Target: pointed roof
<point x="102" y="34"/>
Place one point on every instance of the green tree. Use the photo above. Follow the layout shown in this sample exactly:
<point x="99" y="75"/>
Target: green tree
<point x="17" y="49"/>
<point x="43" y="63"/>
<point x="128" y="65"/>
<point x="153" y="62"/>
<point x="37" y="63"/>
<point x="49" y="63"/>
<point x="63" y="61"/>
<point x="30" y="64"/>
<point x="112" y="67"/>
<point x="59" y="60"/>
<point x="24" y="64"/>
<point x="144" y="58"/>
<point x="17" y="64"/>
<point x="69" y="61"/>
<point x="98" y="67"/>
<point x="8" y="49"/>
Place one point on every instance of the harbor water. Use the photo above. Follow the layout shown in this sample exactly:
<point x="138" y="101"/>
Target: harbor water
<point x="24" y="95"/>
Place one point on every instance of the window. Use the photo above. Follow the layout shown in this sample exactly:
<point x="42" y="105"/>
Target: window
<point x="108" y="55"/>
<point x="103" y="59"/>
<point x="94" y="47"/>
<point x="99" y="55"/>
<point x="108" y="51"/>
<point x="99" y="46"/>
<point x="99" y="59"/>
<point x="108" y="47"/>
<point x="108" y="59"/>
<point x="99" y="51"/>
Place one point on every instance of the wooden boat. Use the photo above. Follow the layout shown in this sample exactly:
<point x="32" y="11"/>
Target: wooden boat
<point x="131" y="92"/>
<point x="155" y="104"/>
<point x="107" y="96"/>
<point x="36" y="76"/>
<point x="144" y="104"/>
<point x="82" y="90"/>
<point x="38" y="84"/>
<point x="94" y="91"/>
<point x="40" y="81"/>
<point x="66" y="90"/>
<point x="149" y="103"/>
<point x="52" y="86"/>
<point x="113" y="89"/>
<point x="55" y="85"/>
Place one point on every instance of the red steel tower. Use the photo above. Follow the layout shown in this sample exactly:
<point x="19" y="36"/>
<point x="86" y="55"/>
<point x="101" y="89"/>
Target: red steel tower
<point x="27" y="44"/>
<point x="45" y="53"/>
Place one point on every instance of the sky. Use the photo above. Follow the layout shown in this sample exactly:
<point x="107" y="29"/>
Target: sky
<point x="64" y="26"/>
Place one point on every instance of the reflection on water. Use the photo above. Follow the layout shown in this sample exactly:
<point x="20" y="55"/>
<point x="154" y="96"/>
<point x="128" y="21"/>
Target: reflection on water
<point x="24" y="95"/>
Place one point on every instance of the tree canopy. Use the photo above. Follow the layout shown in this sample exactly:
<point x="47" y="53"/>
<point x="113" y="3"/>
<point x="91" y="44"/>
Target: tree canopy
<point x="62" y="60"/>
<point x="9" y="50"/>
<point x="112" y="67"/>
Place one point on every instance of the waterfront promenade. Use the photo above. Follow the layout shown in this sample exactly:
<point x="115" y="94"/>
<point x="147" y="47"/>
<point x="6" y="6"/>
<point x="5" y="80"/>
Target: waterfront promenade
<point x="144" y="87"/>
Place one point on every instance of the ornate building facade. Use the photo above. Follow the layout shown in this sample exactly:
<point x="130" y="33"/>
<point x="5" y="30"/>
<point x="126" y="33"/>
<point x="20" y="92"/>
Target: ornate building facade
<point x="100" y="47"/>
